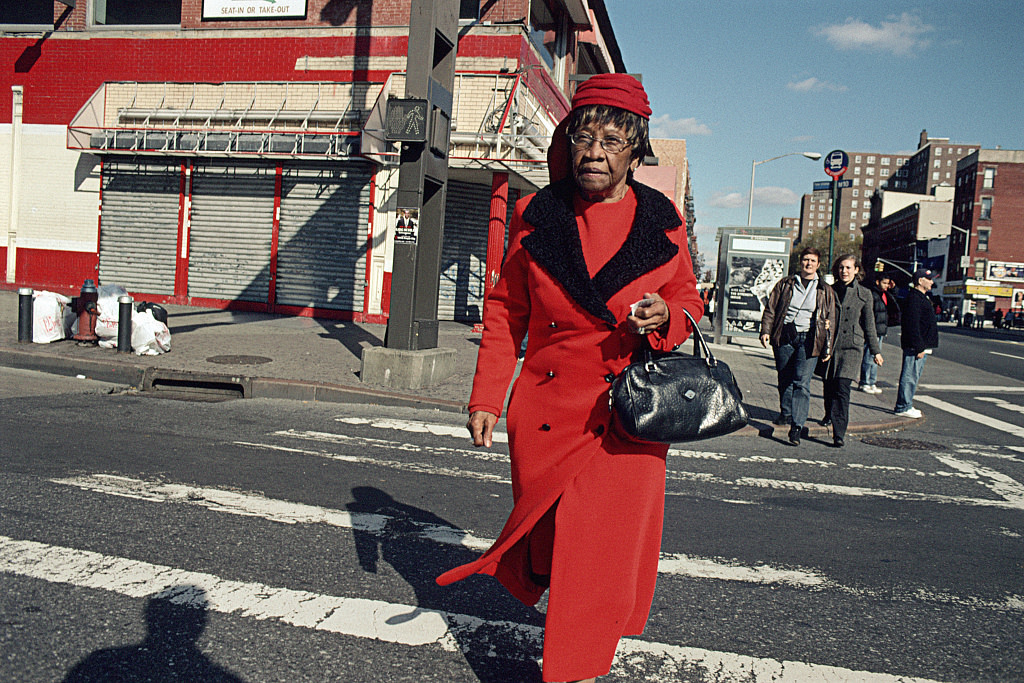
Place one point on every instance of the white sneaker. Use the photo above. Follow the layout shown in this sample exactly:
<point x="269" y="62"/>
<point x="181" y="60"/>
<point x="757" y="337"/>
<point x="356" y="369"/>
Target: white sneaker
<point x="870" y="389"/>
<point x="910" y="412"/>
<point x="875" y="390"/>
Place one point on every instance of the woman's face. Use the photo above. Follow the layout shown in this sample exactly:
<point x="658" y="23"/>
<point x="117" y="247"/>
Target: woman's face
<point x="601" y="175"/>
<point x="847" y="270"/>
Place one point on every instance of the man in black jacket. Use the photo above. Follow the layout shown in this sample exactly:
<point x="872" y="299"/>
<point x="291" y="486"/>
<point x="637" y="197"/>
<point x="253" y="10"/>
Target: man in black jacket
<point x="919" y="336"/>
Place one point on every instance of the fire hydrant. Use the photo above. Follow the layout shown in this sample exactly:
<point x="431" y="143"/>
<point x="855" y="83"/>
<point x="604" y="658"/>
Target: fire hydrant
<point x="87" y="313"/>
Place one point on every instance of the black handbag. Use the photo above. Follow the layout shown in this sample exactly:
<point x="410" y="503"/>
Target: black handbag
<point x="673" y="397"/>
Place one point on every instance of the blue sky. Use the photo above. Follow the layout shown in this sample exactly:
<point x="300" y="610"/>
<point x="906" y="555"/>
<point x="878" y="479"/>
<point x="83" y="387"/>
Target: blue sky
<point x="746" y="81"/>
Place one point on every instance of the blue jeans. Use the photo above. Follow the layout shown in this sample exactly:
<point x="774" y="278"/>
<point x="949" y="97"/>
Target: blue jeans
<point x="910" y="374"/>
<point x="795" y="366"/>
<point x="868" y="369"/>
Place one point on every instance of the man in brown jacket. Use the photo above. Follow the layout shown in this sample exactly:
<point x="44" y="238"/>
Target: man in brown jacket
<point x="799" y="322"/>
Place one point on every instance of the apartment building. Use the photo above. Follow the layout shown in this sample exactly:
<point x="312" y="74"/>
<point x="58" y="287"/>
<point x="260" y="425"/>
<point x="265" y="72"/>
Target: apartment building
<point x="933" y="163"/>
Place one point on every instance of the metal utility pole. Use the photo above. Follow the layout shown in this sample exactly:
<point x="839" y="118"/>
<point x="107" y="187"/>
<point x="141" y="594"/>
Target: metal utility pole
<point x="422" y="122"/>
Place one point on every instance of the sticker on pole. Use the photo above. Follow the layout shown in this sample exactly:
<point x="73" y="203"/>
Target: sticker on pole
<point x="407" y="227"/>
<point x="836" y="163"/>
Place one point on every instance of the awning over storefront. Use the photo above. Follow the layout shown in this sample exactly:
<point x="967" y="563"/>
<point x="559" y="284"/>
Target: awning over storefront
<point x="305" y="120"/>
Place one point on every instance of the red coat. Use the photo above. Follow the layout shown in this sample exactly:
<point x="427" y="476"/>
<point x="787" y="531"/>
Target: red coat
<point x="572" y="270"/>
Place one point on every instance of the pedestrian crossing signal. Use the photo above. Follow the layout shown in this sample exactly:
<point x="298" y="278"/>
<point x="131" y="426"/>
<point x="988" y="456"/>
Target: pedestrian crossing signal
<point x="406" y="120"/>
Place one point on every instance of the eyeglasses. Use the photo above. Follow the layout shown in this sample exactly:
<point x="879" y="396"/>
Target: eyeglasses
<point x="612" y="145"/>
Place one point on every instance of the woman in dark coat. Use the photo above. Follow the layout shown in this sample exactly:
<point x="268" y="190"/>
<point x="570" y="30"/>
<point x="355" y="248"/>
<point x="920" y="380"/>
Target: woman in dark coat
<point x="589" y="502"/>
<point x="856" y="327"/>
<point x="883" y="301"/>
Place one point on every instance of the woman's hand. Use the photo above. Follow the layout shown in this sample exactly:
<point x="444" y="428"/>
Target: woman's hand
<point x="651" y="317"/>
<point x="878" y="359"/>
<point x="481" y="427"/>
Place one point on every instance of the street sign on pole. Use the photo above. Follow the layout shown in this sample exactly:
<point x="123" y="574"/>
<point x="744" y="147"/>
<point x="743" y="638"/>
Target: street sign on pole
<point x="844" y="183"/>
<point x="836" y="163"/>
<point x="822" y="185"/>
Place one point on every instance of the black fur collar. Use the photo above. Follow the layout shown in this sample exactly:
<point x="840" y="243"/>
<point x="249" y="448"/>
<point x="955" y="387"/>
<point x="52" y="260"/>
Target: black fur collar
<point x="555" y="245"/>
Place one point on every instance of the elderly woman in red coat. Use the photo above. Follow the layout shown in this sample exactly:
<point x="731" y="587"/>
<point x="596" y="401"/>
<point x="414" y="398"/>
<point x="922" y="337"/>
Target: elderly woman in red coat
<point x="589" y="502"/>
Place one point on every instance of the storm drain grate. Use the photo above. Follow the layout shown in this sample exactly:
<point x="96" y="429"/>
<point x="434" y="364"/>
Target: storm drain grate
<point x="902" y="444"/>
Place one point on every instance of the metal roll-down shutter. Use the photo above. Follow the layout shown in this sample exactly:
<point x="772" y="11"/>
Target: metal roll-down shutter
<point x="322" y="246"/>
<point x="139" y="225"/>
<point x="231" y="232"/>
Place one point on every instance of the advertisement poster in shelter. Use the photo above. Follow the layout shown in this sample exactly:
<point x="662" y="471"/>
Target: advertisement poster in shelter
<point x="753" y="266"/>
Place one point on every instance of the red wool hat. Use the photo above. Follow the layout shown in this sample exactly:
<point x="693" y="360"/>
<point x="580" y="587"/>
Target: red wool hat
<point x="614" y="90"/>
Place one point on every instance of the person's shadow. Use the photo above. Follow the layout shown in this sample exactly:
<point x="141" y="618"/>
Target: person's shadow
<point x="496" y="655"/>
<point x="168" y="653"/>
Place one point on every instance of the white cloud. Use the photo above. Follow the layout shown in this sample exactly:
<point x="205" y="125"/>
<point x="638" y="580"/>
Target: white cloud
<point x="665" y="126"/>
<point x="775" y="196"/>
<point x="899" y="35"/>
<point x="812" y="84"/>
<point x="727" y="200"/>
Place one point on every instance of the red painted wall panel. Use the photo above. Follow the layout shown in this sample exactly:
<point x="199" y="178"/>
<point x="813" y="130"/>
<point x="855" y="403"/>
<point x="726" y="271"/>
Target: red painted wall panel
<point x="57" y="271"/>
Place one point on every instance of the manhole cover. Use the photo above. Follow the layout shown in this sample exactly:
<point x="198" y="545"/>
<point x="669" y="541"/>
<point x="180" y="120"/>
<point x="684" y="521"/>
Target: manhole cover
<point x="902" y="444"/>
<point x="239" y="360"/>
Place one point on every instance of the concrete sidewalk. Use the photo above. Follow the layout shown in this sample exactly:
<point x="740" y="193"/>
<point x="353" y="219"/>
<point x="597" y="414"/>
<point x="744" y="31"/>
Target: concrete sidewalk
<point x="257" y="355"/>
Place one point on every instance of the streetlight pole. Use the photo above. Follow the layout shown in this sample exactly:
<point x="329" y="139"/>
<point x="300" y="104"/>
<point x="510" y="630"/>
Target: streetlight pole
<point x="813" y="156"/>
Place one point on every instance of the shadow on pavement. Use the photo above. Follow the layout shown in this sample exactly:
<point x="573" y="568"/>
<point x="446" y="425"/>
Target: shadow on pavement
<point x="403" y="544"/>
<point x="169" y="651"/>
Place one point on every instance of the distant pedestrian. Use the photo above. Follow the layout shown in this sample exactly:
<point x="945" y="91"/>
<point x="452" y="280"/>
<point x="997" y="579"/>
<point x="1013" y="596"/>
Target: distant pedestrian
<point x="854" y="329"/>
<point x="798" y="321"/>
<point x="919" y="336"/>
<point x="882" y="301"/>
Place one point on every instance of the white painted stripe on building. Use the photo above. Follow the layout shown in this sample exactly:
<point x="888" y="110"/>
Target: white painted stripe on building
<point x="670" y="564"/>
<point x="379" y="620"/>
<point x="1015" y="430"/>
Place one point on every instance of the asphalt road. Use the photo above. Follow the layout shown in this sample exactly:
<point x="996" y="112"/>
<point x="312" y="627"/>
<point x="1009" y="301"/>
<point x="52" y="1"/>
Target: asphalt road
<point x="285" y="541"/>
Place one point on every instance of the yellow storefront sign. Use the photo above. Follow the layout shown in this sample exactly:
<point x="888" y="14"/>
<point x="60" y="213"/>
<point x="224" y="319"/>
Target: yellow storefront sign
<point x="988" y="290"/>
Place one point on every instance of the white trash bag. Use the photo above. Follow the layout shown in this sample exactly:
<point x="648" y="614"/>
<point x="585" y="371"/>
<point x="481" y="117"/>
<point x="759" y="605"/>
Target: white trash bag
<point x="107" y="310"/>
<point x="150" y="337"/>
<point x="48" y="310"/>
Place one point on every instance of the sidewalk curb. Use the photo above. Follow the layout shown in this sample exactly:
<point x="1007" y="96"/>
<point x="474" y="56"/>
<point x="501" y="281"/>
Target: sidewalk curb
<point x="151" y="379"/>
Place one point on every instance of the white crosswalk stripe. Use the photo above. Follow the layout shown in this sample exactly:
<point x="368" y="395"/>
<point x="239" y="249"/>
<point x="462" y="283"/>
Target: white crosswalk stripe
<point x="375" y="619"/>
<point x="954" y="469"/>
<point x="670" y="564"/>
<point x="1014" y="429"/>
<point x="412" y="626"/>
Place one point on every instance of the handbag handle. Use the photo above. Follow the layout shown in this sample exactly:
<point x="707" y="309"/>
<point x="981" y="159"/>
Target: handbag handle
<point x="699" y="344"/>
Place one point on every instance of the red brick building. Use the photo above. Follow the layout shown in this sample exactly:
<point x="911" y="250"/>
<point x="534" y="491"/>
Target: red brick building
<point x="986" y="253"/>
<point x="228" y="152"/>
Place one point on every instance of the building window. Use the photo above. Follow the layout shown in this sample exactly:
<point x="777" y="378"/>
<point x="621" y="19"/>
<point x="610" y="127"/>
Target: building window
<point x="986" y="209"/>
<point x="871" y="170"/>
<point x="865" y="215"/>
<point x="853" y="204"/>
<point x="856" y="159"/>
<point x="885" y="161"/>
<point x="983" y="240"/>
<point x="870" y="182"/>
<point x="935" y="175"/>
<point x="990" y="179"/>
<point x="469" y="9"/>
<point x="26" y="13"/>
<point x="856" y="193"/>
<point x="853" y="215"/>
<point x="938" y="163"/>
<point x="871" y="160"/>
<point x="133" y="12"/>
<point x="856" y="181"/>
<point x="938" y="151"/>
